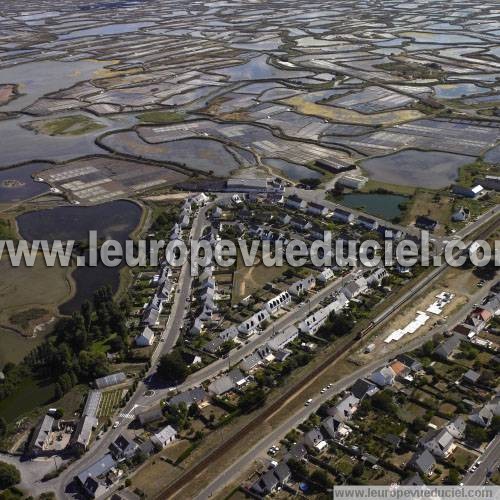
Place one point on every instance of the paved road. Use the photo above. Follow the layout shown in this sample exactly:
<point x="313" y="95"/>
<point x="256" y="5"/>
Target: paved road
<point x="260" y="448"/>
<point x="173" y="326"/>
<point x="490" y="460"/>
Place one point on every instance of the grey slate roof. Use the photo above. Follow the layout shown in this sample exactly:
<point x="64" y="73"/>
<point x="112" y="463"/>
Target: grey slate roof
<point x="192" y="396"/>
<point x="98" y="469"/>
<point x="422" y="461"/>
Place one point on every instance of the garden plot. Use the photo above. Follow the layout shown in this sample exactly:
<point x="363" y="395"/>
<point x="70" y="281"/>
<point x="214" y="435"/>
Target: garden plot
<point x="110" y="402"/>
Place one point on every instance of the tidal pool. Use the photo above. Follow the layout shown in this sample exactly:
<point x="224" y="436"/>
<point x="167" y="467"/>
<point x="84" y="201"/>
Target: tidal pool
<point x="427" y="169"/>
<point x="39" y="78"/>
<point x="18" y="144"/>
<point x="259" y="69"/>
<point x="17" y="184"/>
<point x="115" y="220"/>
<point x="493" y="155"/>
<point x="206" y="155"/>
<point x="386" y="206"/>
<point x="455" y="91"/>
<point x="443" y="38"/>
<point x="108" y="29"/>
<point x="293" y="170"/>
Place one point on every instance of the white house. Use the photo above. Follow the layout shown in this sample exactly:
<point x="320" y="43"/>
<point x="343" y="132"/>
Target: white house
<point x="314" y="321"/>
<point x="367" y="223"/>
<point x="345" y="409"/>
<point x="456" y="427"/>
<point x="377" y="276"/>
<point x="249" y="326"/>
<point x="302" y="286"/>
<point x="197" y="327"/>
<point x="316" y="209"/>
<point x="186" y="207"/>
<point x="164" y="437"/>
<point x="325" y="275"/>
<point x="145" y="338"/>
<point x="200" y="199"/>
<point x="165" y="291"/>
<point x="206" y="273"/>
<point x="176" y="232"/>
<point x="315" y="440"/>
<point x="355" y="288"/>
<point x="295" y="202"/>
<point x="229" y="333"/>
<point x="342" y="216"/>
<point x="439" y="442"/>
<point x="282" y="339"/>
<point x="278" y="302"/>
<point x="184" y="221"/>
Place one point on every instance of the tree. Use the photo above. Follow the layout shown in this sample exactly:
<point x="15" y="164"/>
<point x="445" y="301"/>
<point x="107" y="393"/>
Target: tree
<point x="92" y="365"/>
<point x="495" y="424"/>
<point x="117" y="344"/>
<point x="172" y="367"/>
<point x="475" y="434"/>
<point x="383" y="401"/>
<point x="298" y="468"/>
<point x="3" y="427"/>
<point x="321" y="478"/>
<point x="453" y="476"/>
<point x="179" y="415"/>
<point x="9" y="476"/>
<point x="252" y="400"/>
<point x="428" y="348"/>
<point x="418" y="425"/>
<point x="358" y="469"/>
<point x="487" y="377"/>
